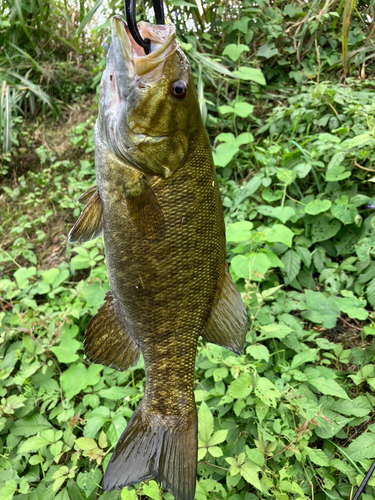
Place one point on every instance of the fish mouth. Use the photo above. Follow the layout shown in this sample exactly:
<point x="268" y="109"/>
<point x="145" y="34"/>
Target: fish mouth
<point x="162" y="44"/>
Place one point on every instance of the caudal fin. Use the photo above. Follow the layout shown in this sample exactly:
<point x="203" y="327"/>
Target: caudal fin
<point x="164" y="448"/>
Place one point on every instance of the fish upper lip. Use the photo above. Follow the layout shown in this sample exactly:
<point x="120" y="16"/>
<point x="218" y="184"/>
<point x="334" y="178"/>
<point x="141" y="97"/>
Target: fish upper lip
<point x="147" y="30"/>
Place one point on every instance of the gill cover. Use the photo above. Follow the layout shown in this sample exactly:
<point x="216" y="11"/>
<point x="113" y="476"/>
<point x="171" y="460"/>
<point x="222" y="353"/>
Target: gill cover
<point x="140" y="119"/>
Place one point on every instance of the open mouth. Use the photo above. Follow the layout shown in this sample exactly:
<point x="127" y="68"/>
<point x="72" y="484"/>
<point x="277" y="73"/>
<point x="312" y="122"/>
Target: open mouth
<point x="162" y="43"/>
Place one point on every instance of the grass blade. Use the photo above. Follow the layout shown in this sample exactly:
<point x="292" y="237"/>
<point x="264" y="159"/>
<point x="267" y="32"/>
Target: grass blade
<point x="18" y="7"/>
<point x="7" y="121"/>
<point x="35" y="89"/>
<point x="88" y="16"/>
<point x="348" y="9"/>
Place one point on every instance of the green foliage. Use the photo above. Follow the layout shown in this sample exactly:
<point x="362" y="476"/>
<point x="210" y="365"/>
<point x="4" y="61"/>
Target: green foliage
<point x="291" y="418"/>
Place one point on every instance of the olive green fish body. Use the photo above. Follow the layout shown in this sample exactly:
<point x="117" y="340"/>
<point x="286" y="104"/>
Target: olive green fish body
<point x="158" y="206"/>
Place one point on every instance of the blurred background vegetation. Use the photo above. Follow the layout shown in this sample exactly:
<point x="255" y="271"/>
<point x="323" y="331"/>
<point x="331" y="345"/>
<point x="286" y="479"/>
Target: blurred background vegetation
<point x="286" y="91"/>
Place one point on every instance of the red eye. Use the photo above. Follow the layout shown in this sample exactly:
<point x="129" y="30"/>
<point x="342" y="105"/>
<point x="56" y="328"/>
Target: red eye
<point x="179" y="89"/>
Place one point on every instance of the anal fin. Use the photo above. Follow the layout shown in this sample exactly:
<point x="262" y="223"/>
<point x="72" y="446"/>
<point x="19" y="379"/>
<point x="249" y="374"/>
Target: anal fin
<point x="227" y="324"/>
<point x="89" y="223"/>
<point x="106" y="340"/>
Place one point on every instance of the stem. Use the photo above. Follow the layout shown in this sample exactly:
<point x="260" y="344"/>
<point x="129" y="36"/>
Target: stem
<point x="10" y="257"/>
<point x="346" y="456"/>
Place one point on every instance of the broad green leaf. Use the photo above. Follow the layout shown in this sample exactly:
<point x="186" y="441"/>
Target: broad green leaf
<point x="360" y="140"/>
<point x="8" y="490"/>
<point x="218" y="437"/>
<point x="345" y="213"/>
<point x="243" y="109"/>
<point x="337" y="173"/>
<point x="151" y="490"/>
<point x="353" y="307"/>
<point x="328" y="387"/>
<point x="88" y="480"/>
<point x="99" y="417"/>
<point x="50" y="275"/>
<point x="77" y="377"/>
<point x="241" y="24"/>
<point x="30" y="426"/>
<point x="283" y="213"/>
<point x="23" y="274"/>
<point x="255" y="456"/>
<point x="325" y="307"/>
<point x="258" y="351"/>
<point x="234" y="51"/>
<point x="33" y="444"/>
<point x="362" y="447"/>
<point x="286" y="176"/>
<point x="325" y="137"/>
<point x="318" y="457"/>
<point x="85" y="443"/>
<point x="225" y="109"/>
<point x="241" y="387"/>
<point x="371" y="292"/>
<point x="252" y="74"/>
<point x="330" y="423"/>
<point x="249" y="471"/>
<point x="323" y="228"/>
<point x="114" y="392"/>
<point x="303" y="357"/>
<point x="253" y="266"/>
<point x="358" y="407"/>
<point x="302" y="169"/>
<point x="280" y="234"/>
<point x="274" y="331"/>
<point x="224" y="153"/>
<point x="304" y="254"/>
<point x="95" y="293"/>
<point x="238" y="232"/>
<point x="205" y="422"/>
<point x="66" y="351"/>
<point x="317" y="206"/>
<point x="265" y="389"/>
<point x="267" y="50"/>
<point x="127" y="494"/>
<point x="292" y="265"/>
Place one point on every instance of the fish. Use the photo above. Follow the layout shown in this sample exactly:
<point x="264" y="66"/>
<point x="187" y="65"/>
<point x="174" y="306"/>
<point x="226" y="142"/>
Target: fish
<point x="158" y="206"/>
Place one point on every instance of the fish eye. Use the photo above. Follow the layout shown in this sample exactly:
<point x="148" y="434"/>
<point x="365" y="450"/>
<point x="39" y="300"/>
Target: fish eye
<point x="179" y="89"/>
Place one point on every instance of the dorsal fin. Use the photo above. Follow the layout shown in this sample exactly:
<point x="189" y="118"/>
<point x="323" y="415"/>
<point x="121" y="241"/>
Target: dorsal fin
<point x="227" y="324"/>
<point x="107" y="341"/>
<point x="89" y="223"/>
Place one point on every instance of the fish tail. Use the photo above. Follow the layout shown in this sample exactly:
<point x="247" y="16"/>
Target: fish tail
<point x="156" y="447"/>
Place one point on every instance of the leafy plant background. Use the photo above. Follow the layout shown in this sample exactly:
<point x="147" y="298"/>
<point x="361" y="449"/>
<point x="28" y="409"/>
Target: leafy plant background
<point x="287" y="94"/>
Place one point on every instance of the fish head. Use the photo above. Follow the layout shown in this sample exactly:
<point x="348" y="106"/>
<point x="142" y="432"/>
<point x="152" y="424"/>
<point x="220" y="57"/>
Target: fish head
<point x="148" y="103"/>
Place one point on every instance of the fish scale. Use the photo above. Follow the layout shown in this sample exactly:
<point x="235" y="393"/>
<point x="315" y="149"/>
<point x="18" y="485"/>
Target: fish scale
<point x="158" y="206"/>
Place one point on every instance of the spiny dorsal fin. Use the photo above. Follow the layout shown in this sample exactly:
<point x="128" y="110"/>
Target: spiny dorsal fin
<point x="106" y="340"/>
<point x="227" y="324"/>
<point x="146" y="213"/>
<point x="84" y="198"/>
<point x="89" y="223"/>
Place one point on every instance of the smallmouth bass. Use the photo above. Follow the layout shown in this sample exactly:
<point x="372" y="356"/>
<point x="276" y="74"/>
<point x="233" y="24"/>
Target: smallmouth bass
<point x="158" y="206"/>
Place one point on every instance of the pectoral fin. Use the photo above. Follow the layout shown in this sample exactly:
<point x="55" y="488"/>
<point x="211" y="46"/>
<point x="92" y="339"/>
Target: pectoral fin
<point x="145" y="211"/>
<point x="84" y="198"/>
<point x="227" y="324"/>
<point x="89" y="224"/>
<point x="106" y="340"/>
